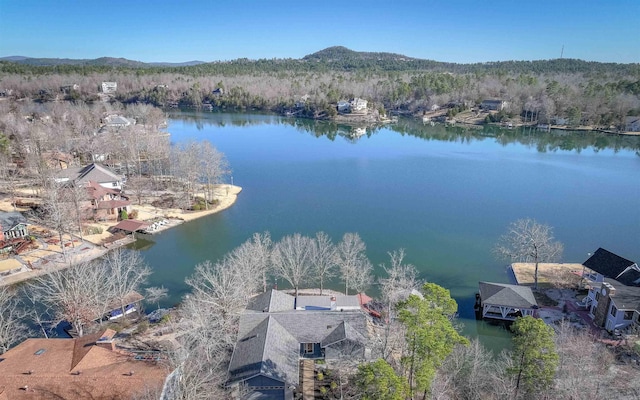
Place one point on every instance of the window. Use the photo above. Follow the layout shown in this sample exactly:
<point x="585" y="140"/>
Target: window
<point x="614" y="311"/>
<point x="628" y="315"/>
<point x="308" y="348"/>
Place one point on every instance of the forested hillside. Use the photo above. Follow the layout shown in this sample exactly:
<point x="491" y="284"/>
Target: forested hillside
<point x="581" y="92"/>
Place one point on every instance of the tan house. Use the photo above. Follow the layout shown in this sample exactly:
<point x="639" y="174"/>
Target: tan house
<point x="106" y="203"/>
<point x="109" y="87"/>
<point x="90" y="367"/>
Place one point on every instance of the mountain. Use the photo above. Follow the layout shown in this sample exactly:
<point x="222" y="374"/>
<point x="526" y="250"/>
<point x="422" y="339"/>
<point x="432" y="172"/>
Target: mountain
<point x="102" y="61"/>
<point x="341" y="53"/>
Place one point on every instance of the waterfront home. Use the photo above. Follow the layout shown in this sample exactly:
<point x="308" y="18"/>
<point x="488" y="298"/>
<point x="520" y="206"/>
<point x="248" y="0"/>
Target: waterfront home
<point x="81" y="176"/>
<point x="493" y="105"/>
<point x="504" y="301"/>
<point x="109" y="87"/>
<point x="106" y="203"/>
<point x="613" y="305"/>
<point x="343" y="106"/>
<point x="632" y="124"/>
<point x="358" y="105"/>
<point x="91" y="366"/>
<point x="613" y="299"/>
<point x="274" y="336"/>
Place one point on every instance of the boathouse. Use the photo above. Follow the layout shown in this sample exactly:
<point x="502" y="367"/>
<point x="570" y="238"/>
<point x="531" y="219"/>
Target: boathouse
<point x="504" y="301"/>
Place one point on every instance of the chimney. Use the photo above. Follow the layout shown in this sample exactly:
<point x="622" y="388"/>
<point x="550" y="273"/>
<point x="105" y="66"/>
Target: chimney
<point x="333" y="302"/>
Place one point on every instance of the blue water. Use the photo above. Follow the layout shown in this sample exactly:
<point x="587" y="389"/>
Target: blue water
<point x="444" y="196"/>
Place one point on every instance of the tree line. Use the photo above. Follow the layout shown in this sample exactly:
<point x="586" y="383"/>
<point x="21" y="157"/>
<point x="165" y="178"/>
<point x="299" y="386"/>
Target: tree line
<point x="584" y="93"/>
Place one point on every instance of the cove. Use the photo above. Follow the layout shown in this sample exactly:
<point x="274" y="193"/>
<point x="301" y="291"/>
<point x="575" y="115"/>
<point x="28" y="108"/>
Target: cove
<point x="445" y="194"/>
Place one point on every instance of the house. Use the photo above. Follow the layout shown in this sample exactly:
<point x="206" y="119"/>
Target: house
<point x="358" y="105"/>
<point x="504" y="301"/>
<point x="632" y="124"/>
<point x="217" y="92"/>
<point x="344" y="106"/>
<point x="613" y="305"/>
<point x="106" y="203"/>
<point x="109" y="87"/>
<point x="605" y="264"/>
<point x="93" y="172"/>
<point x="493" y="105"/>
<point x="117" y="121"/>
<point x="6" y="92"/>
<point x="91" y="366"/>
<point x="273" y="337"/>
<point x="13" y="226"/>
<point x="613" y="299"/>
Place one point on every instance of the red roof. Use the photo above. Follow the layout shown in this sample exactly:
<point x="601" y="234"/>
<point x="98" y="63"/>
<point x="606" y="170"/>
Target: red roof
<point x="131" y="225"/>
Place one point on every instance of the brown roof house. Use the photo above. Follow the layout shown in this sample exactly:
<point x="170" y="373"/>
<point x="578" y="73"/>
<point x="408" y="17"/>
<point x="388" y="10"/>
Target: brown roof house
<point x="106" y="203"/>
<point x="90" y="367"/>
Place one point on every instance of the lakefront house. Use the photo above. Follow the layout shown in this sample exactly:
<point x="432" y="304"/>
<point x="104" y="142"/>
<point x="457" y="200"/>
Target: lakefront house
<point x="278" y="330"/>
<point x="613" y="299"/>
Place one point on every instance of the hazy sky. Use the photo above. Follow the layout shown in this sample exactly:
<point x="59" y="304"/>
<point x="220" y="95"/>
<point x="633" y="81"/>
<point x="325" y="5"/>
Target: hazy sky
<point x="210" y="30"/>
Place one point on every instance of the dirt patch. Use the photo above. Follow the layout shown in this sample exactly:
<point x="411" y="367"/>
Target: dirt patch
<point x="550" y="275"/>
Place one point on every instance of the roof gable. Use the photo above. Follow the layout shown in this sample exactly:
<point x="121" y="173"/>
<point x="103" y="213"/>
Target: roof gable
<point x="9" y="220"/>
<point x="271" y="301"/>
<point x="503" y="294"/>
<point x="607" y="263"/>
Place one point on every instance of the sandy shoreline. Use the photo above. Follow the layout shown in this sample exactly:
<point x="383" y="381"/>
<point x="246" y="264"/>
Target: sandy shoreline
<point x="50" y="255"/>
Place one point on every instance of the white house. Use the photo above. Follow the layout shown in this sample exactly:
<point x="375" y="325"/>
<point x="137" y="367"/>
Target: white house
<point x="109" y="87"/>
<point x="117" y="121"/>
<point x="493" y="104"/>
<point x="358" y="105"/>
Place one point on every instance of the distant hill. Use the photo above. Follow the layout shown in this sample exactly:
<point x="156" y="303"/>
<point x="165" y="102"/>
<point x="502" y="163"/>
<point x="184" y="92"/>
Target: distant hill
<point x="102" y="61"/>
<point x="337" y="58"/>
<point x="340" y="53"/>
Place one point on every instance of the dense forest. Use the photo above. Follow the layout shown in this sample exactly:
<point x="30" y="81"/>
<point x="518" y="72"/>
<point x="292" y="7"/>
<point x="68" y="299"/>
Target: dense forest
<point x="579" y="92"/>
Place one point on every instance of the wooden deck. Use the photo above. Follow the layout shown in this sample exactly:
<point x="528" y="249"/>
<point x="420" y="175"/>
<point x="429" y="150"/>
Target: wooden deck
<point x="307" y="379"/>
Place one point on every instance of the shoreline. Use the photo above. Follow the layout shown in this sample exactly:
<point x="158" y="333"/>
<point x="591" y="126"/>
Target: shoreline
<point x="51" y="257"/>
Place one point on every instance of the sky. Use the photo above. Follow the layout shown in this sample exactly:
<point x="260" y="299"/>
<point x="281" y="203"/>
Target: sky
<point x="460" y="31"/>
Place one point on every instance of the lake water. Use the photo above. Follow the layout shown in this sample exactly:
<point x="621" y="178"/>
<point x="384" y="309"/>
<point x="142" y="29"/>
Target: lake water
<point x="443" y="194"/>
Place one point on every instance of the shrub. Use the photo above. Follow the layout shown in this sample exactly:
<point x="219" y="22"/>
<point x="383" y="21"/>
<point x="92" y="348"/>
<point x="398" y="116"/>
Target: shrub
<point x="124" y="215"/>
<point x="320" y="376"/>
<point x="133" y="214"/>
<point x="142" y="327"/>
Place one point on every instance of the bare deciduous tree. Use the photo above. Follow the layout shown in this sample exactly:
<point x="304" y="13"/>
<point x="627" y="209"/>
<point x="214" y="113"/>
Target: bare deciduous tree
<point x="529" y="241"/>
<point x="355" y="268"/>
<point x="12" y="326"/>
<point x="155" y="294"/>
<point x="400" y="281"/>
<point x="78" y="295"/>
<point x="127" y="272"/>
<point x="324" y="258"/>
<point x="214" y="167"/>
<point x="291" y="259"/>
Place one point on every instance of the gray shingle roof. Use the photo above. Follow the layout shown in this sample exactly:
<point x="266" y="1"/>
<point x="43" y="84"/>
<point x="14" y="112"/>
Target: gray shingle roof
<point x="308" y="326"/>
<point x="10" y="219"/>
<point x="502" y="294"/>
<point x="92" y="172"/>
<point x="342" y="332"/>
<point x="271" y="301"/>
<point x="325" y="301"/>
<point x="625" y="297"/>
<point x="268" y="349"/>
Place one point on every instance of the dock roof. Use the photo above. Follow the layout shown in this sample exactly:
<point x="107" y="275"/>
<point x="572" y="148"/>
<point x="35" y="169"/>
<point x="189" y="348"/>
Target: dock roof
<point x="503" y="294"/>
